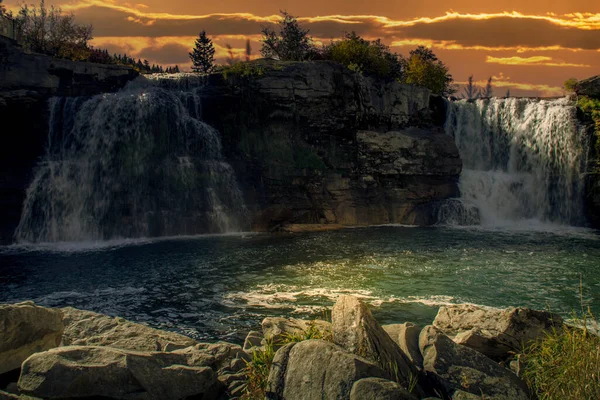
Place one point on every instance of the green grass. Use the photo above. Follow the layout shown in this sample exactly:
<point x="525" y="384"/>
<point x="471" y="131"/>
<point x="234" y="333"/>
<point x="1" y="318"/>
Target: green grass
<point x="243" y="70"/>
<point x="591" y="107"/>
<point x="257" y="369"/>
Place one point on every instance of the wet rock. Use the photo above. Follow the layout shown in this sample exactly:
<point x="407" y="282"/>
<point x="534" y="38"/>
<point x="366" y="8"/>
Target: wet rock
<point x="379" y="389"/>
<point x="455" y="367"/>
<point x="26" y="329"/>
<point x="87" y="328"/>
<point x="276" y="328"/>
<point x="460" y="395"/>
<point x="406" y="336"/>
<point x="316" y="369"/>
<point x="589" y="87"/>
<point x="355" y="330"/>
<point x="491" y="331"/>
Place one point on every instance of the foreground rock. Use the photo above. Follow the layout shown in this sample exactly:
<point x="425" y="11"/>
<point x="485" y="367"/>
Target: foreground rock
<point x="589" y="87"/>
<point x="379" y="389"/>
<point x="454" y="367"/>
<point x="494" y="332"/>
<point x="316" y="369"/>
<point x="26" y="329"/>
<point x="86" y="328"/>
<point x="91" y="371"/>
<point x="355" y="330"/>
<point x="406" y="336"/>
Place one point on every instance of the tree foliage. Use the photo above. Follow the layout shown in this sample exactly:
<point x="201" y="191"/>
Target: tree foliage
<point x="47" y="30"/>
<point x="470" y="91"/>
<point x="423" y="68"/>
<point x="291" y="43"/>
<point x="203" y="54"/>
<point x="570" y="84"/>
<point x="368" y="57"/>
<point x="488" y="91"/>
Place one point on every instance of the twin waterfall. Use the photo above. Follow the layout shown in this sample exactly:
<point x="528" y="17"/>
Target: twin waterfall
<point x="141" y="163"/>
<point x="136" y="163"/>
<point x="522" y="162"/>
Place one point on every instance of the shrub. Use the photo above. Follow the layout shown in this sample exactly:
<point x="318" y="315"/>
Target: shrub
<point x="570" y="84"/>
<point x="565" y="364"/>
<point x="243" y="70"/>
<point x="368" y="57"/>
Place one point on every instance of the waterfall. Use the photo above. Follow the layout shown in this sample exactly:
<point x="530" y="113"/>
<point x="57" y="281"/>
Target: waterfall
<point x="136" y="163"/>
<point x="522" y="160"/>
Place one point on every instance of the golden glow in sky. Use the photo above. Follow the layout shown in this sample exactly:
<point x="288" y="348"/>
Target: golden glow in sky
<point x="530" y="49"/>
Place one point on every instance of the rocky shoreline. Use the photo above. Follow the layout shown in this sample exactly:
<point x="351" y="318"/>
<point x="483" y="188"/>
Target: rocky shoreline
<point x="468" y="352"/>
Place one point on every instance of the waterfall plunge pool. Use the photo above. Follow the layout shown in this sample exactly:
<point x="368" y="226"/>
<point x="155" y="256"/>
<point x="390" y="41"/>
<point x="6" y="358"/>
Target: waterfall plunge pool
<point x="222" y="286"/>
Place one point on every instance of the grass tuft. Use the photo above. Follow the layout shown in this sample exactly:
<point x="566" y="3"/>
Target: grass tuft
<point x="565" y="363"/>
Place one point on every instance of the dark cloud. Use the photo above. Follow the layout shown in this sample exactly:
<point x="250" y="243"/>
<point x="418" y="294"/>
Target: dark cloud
<point x="492" y="32"/>
<point x="171" y="53"/>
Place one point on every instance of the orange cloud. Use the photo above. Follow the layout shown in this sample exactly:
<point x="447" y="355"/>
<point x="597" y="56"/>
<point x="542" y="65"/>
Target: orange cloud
<point x="532" y="61"/>
<point x="453" y="45"/>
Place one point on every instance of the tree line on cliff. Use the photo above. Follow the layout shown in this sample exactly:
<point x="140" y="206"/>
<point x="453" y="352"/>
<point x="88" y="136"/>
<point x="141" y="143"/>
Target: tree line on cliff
<point x="47" y="30"/>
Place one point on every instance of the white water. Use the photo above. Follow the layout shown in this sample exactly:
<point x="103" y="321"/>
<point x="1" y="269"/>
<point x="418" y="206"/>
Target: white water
<point x="522" y="160"/>
<point x="137" y="163"/>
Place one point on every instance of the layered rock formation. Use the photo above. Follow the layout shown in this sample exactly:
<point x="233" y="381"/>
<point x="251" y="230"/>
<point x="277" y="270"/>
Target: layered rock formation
<point x="27" y="81"/>
<point x="315" y="143"/>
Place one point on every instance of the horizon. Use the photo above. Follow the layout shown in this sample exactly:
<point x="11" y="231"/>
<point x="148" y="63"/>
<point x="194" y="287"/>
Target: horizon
<point x="525" y="50"/>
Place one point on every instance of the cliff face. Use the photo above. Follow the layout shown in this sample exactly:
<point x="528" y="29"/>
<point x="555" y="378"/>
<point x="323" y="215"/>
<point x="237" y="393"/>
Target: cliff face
<point x="27" y="81"/>
<point x="316" y="143"/>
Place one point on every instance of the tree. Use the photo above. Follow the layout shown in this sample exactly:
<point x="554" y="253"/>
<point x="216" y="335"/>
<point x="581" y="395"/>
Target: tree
<point x="471" y="92"/>
<point x="423" y="68"/>
<point x="176" y="70"/>
<point x="248" y="50"/>
<point x="488" y="92"/>
<point x="570" y="84"/>
<point x="507" y="93"/>
<point x="47" y="30"/>
<point x="292" y="43"/>
<point x="230" y="56"/>
<point x="2" y="9"/>
<point x="203" y="54"/>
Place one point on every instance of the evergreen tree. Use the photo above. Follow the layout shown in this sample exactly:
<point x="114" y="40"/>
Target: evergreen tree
<point x="488" y="92"/>
<point x="230" y="56"/>
<point x="176" y="69"/>
<point x="292" y="43"/>
<point x="470" y="90"/>
<point x="248" y="50"/>
<point x="508" y="93"/>
<point x="203" y="54"/>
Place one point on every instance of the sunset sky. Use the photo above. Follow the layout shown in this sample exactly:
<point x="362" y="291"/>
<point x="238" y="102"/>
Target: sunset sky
<point x="530" y="47"/>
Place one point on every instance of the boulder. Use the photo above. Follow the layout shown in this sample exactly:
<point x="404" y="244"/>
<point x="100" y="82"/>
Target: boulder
<point x="253" y="339"/>
<point x="276" y="328"/>
<point x="406" y="336"/>
<point x="454" y="367"/>
<point x="87" y="328"/>
<point x="316" y="369"/>
<point x="379" y="389"/>
<point x="90" y="371"/>
<point x="494" y="332"/>
<point x="355" y="330"/>
<point x="26" y="329"/>
<point x="460" y="395"/>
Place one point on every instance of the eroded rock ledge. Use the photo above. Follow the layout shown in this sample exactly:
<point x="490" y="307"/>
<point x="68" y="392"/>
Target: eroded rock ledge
<point x="465" y="354"/>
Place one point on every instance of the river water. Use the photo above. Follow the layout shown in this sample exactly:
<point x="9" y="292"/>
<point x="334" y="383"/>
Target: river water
<point x="221" y="286"/>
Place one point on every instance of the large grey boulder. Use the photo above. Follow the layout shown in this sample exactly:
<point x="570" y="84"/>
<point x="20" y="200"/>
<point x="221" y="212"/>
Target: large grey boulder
<point x="316" y="369"/>
<point x="276" y="329"/>
<point x="406" y="336"/>
<point x="355" y="330"/>
<point x="379" y="389"/>
<point x="26" y="329"/>
<point x="456" y="367"/>
<point x="87" y="328"/>
<point x="492" y="331"/>
<point x="91" y="371"/>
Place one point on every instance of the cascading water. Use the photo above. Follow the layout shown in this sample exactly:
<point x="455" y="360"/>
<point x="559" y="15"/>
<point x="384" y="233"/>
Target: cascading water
<point x="136" y="163"/>
<point x="522" y="160"/>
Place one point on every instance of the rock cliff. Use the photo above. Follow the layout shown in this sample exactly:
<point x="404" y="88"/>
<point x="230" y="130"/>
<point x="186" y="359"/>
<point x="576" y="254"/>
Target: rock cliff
<point x="314" y="143"/>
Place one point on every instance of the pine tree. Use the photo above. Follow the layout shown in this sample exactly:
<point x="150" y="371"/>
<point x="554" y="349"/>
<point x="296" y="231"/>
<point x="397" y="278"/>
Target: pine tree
<point x="470" y="90"/>
<point x="488" y="92"/>
<point x="176" y="69"/>
<point x="248" y="50"/>
<point x="203" y="54"/>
